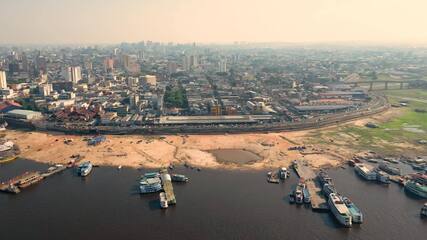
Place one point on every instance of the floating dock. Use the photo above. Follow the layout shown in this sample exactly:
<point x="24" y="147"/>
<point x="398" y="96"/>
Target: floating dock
<point x="54" y="170"/>
<point x="16" y="184"/>
<point x="167" y="186"/>
<point x="303" y="170"/>
<point x="318" y="201"/>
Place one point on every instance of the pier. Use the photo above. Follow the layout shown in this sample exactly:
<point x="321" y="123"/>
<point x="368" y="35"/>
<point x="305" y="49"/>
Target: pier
<point x="167" y="186"/>
<point x="318" y="201"/>
<point x="303" y="170"/>
<point x="54" y="170"/>
<point x="16" y="184"/>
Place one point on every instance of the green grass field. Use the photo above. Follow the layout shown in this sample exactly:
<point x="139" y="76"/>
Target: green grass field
<point x="409" y="127"/>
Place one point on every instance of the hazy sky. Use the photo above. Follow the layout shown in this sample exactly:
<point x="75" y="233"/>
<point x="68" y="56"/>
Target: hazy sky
<point x="112" y="21"/>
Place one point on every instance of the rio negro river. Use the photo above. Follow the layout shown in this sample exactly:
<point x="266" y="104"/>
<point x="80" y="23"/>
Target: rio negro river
<point x="215" y="204"/>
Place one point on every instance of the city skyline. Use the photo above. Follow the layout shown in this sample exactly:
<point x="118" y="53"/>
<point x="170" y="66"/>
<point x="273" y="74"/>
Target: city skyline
<point x="307" y="21"/>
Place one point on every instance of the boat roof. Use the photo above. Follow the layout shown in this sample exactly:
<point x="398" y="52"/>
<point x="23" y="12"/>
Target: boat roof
<point x="422" y="187"/>
<point x="339" y="204"/>
<point x="354" y="210"/>
<point x="365" y="168"/>
<point x="152" y="180"/>
<point x="151" y="174"/>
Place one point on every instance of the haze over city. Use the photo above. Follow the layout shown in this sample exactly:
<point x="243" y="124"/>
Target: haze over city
<point x="213" y="119"/>
<point x="219" y="21"/>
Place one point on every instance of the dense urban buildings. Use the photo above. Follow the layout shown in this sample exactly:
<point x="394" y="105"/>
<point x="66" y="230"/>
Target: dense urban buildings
<point x="156" y="84"/>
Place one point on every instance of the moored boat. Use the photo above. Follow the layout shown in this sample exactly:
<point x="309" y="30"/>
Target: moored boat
<point x="383" y="177"/>
<point x="324" y="178"/>
<point x="179" y="178"/>
<point x="85" y="168"/>
<point x="365" y="171"/>
<point x="307" y="196"/>
<point x="416" y="189"/>
<point x="339" y="209"/>
<point x="389" y="169"/>
<point x="273" y="180"/>
<point x="373" y="160"/>
<point x="283" y="173"/>
<point x="150" y="184"/>
<point x="328" y="189"/>
<point x="292" y="196"/>
<point x="29" y="179"/>
<point x="163" y="200"/>
<point x="299" y="195"/>
<point x="424" y="210"/>
<point x="356" y="214"/>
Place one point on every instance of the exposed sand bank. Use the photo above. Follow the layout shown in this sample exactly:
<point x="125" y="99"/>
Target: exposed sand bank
<point x="153" y="151"/>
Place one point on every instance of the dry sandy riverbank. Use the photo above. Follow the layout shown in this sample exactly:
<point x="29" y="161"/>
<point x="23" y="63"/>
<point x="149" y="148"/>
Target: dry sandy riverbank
<point x="155" y="151"/>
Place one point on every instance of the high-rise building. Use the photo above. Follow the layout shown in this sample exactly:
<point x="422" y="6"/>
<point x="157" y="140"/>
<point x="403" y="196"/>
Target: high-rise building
<point x="108" y="64"/>
<point x="172" y="66"/>
<point x="88" y="66"/>
<point x="125" y="59"/>
<point x="3" y="82"/>
<point x="190" y="62"/>
<point x="222" y="66"/>
<point x="130" y="63"/>
<point x="134" y="101"/>
<point x="132" y="81"/>
<point x="73" y="74"/>
<point x="45" y="89"/>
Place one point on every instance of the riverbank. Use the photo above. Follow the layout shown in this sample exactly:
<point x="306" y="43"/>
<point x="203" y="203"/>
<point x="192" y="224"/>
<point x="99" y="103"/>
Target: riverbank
<point x="161" y="151"/>
<point x="327" y="146"/>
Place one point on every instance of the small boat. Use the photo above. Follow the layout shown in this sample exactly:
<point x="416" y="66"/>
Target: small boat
<point x="119" y="167"/>
<point x="150" y="183"/>
<point x="383" y="177"/>
<point x="417" y="167"/>
<point x="307" y="196"/>
<point x="391" y="160"/>
<point x="299" y="194"/>
<point x="351" y="163"/>
<point x="6" y="146"/>
<point x="424" y="210"/>
<point x="283" y="173"/>
<point x="356" y="214"/>
<point x="85" y="168"/>
<point x="292" y="196"/>
<point x="179" y="178"/>
<point x="389" y="169"/>
<point x="163" y="200"/>
<point x="273" y="179"/>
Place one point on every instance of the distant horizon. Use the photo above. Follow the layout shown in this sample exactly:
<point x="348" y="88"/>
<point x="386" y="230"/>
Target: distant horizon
<point x="237" y="43"/>
<point x="47" y="22"/>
